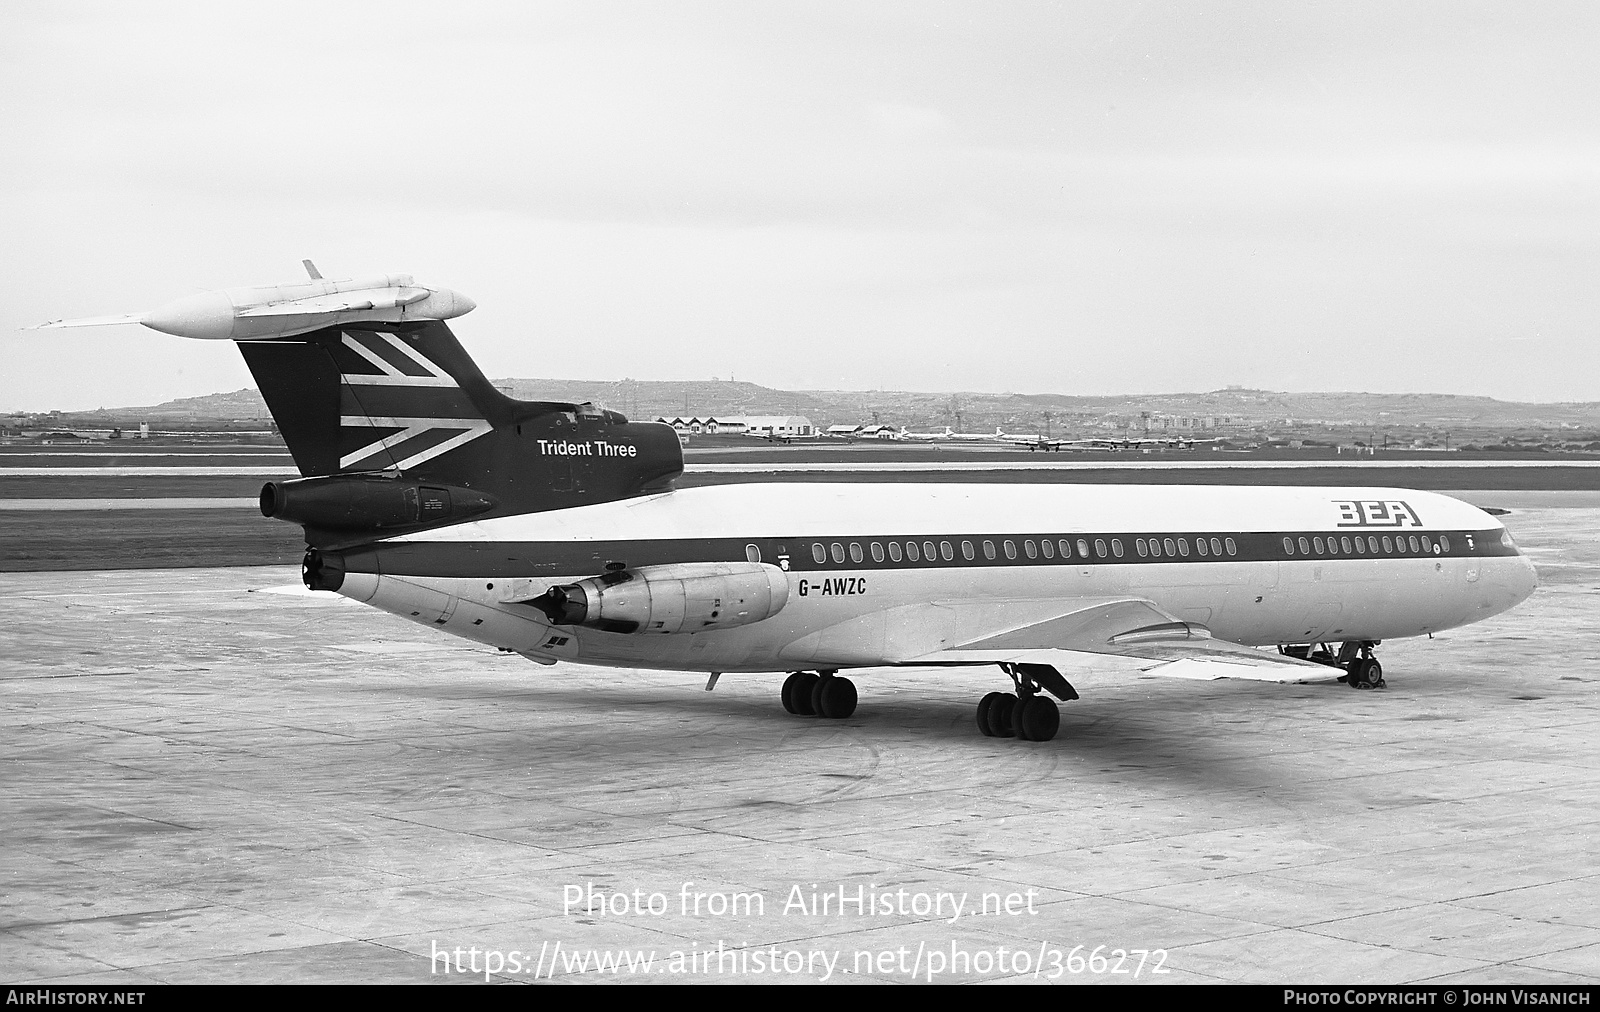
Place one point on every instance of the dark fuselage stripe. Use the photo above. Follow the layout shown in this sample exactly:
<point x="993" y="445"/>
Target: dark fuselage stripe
<point x="506" y="559"/>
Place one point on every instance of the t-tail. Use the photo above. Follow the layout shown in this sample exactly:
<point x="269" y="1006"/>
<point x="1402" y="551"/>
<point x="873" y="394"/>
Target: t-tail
<point x="393" y="427"/>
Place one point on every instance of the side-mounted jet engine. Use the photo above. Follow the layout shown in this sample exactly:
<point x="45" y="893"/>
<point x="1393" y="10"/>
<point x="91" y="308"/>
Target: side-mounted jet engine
<point x="689" y="597"/>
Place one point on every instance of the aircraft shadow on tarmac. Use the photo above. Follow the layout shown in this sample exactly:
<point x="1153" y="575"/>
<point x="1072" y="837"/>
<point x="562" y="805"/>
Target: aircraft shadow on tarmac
<point x="1195" y="738"/>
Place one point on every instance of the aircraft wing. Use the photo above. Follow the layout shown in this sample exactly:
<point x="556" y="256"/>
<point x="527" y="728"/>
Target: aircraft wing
<point x="1127" y="627"/>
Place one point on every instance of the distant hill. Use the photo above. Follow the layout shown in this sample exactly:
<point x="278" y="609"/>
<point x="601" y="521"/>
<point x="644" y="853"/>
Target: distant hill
<point x="965" y="411"/>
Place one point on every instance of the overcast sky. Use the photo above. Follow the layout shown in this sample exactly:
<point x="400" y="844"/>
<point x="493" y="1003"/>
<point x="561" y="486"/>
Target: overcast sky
<point x="1074" y="198"/>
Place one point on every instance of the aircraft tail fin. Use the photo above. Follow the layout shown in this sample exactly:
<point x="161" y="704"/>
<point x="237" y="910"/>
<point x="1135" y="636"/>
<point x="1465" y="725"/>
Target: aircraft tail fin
<point x="405" y="403"/>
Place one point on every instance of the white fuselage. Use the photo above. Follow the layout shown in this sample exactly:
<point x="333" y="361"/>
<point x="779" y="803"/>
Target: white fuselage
<point x="1256" y="566"/>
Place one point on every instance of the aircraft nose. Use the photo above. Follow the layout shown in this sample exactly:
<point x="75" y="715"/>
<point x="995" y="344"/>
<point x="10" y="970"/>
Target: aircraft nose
<point x="1529" y="581"/>
<point x="1516" y="578"/>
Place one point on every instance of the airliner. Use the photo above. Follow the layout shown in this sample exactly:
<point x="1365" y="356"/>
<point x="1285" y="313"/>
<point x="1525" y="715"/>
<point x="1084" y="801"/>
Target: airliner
<point x="1103" y="443"/>
<point x="554" y="530"/>
<point x="950" y="435"/>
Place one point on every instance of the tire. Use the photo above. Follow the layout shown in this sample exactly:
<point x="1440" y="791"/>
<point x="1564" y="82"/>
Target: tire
<point x="804" y="686"/>
<point x="1357" y="672"/>
<point x="1040" y="719"/>
<point x="1373" y="675"/>
<point x="1000" y="716"/>
<point x="836" y="698"/>
<point x="787" y="696"/>
<point x="984" y="706"/>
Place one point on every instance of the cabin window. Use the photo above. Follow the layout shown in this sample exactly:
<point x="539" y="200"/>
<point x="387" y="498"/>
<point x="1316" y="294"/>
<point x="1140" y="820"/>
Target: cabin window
<point x="1047" y="548"/>
<point x="1083" y="548"/>
<point x="1361" y="546"/>
<point x="1317" y="544"/>
<point x="838" y="552"/>
<point x="988" y="549"/>
<point x="1030" y="549"/>
<point x="1305" y="547"/>
<point x="1066" y="548"/>
<point x="1414" y="546"/>
<point x="1216" y="547"/>
<point x="1155" y="548"/>
<point x="911" y="551"/>
<point x="1444" y="542"/>
<point x="1116" y="547"/>
<point x="929" y="552"/>
<point x="1183" y="547"/>
<point x="752" y="553"/>
<point x="856" y="555"/>
<point x="1138" y="546"/>
<point x="1200" y="545"/>
<point x="1100" y="548"/>
<point x="1372" y="544"/>
<point x="1344" y="545"/>
<point x="1233" y="548"/>
<point x="1169" y="546"/>
<point x="894" y="551"/>
<point x="819" y="553"/>
<point x="1388" y="549"/>
<point x="967" y="552"/>
<point x="1010" y="548"/>
<point x="946" y="552"/>
<point x="877" y="552"/>
<point x="1288" y="546"/>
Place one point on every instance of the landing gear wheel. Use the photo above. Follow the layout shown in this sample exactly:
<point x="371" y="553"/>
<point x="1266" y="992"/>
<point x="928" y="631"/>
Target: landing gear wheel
<point x="1367" y="674"/>
<point x="805" y="684"/>
<point x="834" y="697"/>
<point x="1037" y="719"/>
<point x="998" y="716"/>
<point x="788" y="691"/>
<point x="984" y="706"/>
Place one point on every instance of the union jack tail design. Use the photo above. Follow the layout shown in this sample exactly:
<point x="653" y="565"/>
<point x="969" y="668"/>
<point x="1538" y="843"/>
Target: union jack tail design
<point x="377" y="400"/>
<point x="398" y="409"/>
<point x="381" y="399"/>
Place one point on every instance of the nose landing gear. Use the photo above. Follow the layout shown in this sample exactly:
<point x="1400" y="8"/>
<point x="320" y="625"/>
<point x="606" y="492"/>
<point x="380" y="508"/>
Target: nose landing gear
<point x="1365" y="673"/>
<point x="1361" y="668"/>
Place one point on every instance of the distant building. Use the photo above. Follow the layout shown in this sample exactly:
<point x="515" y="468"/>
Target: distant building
<point x="778" y="426"/>
<point x="703" y="426"/>
<point x="844" y="431"/>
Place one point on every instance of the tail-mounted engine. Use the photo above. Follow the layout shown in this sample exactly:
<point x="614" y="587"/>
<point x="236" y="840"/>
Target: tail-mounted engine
<point x="344" y="502"/>
<point x="690" y="597"/>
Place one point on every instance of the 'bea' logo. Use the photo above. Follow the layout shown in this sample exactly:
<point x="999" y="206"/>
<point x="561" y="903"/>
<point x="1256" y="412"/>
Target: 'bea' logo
<point x="1376" y="513"/>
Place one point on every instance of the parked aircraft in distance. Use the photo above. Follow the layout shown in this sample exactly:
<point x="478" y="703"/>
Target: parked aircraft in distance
<point x="949" y="435"/>
<point x="1107" y="443"/>
<point x="553" y="530"/>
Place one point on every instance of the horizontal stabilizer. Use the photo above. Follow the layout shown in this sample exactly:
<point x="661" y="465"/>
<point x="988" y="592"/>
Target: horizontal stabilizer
<point x="350" y="302"/>
<point x="91" y="321"/>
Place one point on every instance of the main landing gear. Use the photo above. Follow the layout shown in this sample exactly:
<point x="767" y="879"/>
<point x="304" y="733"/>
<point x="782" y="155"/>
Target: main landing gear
<point x="1028" y="714"/>
<point x="820" y="694"/>
<point x="1354" y="657"/>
